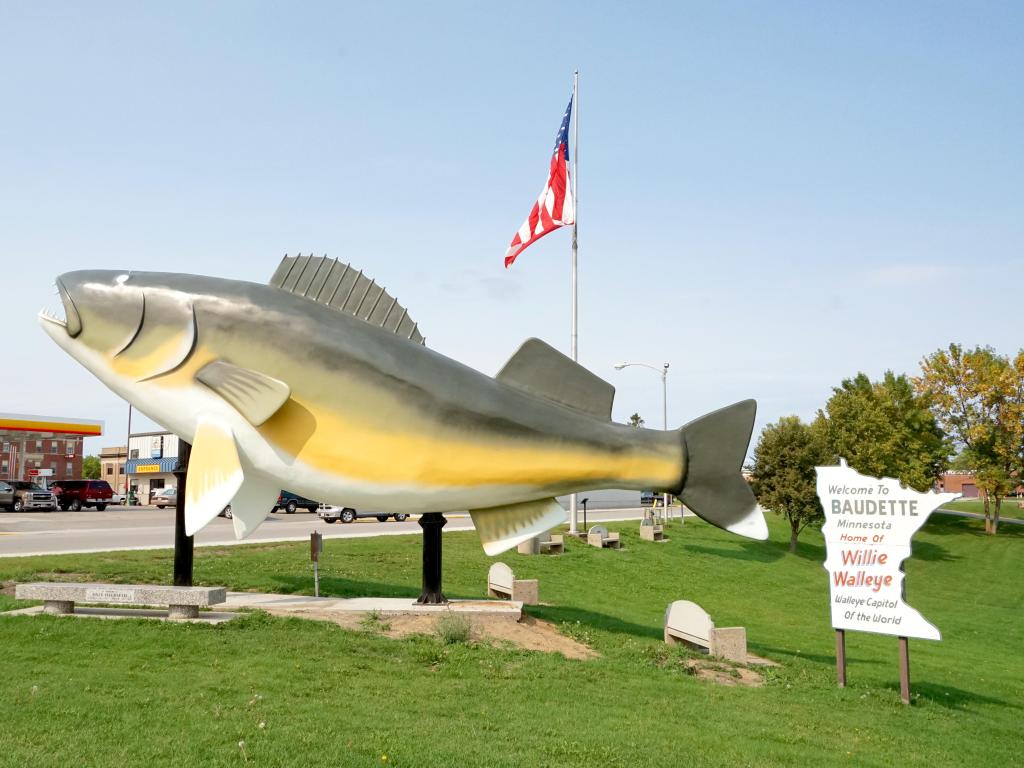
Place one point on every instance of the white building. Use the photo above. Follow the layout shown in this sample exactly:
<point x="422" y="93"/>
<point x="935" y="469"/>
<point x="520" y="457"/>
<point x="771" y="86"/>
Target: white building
<point x="152" y="457"/>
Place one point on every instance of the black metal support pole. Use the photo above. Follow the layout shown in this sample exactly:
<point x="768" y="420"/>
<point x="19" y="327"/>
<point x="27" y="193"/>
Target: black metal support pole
<point x="432" y="523"/>
<point x="183" y="545"/>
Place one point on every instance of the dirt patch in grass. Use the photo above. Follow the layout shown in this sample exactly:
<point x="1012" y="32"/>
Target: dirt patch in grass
<point x="534" y="635"/>
<point x="529" y="633"/>
<point x="7" y="588"/>
<point x="723" y="674"/>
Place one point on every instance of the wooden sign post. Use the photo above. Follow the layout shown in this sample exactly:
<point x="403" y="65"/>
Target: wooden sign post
<point x="316" y="546"/>
<point x="905" y="670"/>
<point x="841" y="657"/>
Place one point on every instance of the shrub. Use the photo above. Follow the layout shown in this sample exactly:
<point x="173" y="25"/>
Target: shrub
<point x="453" y="628"/>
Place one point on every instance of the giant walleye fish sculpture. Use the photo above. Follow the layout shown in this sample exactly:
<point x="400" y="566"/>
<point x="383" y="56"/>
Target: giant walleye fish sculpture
<point x="276" y="388"/>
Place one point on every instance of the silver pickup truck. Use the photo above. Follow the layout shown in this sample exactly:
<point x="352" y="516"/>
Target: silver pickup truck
<point x="28" y="495"/>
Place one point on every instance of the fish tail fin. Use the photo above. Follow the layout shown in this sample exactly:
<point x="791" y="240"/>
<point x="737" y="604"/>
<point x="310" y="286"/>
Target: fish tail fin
<point x="714" y="447"/>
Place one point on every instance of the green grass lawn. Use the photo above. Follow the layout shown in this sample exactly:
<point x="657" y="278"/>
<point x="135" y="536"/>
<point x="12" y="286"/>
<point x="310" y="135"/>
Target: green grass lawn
<point x="1008" y="508"/>
<point x="135" y="692"/>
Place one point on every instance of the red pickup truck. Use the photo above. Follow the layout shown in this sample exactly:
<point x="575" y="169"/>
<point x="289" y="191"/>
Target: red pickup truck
<point x="75" y="494"/>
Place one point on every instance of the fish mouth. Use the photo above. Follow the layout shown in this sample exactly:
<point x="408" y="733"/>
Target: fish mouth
<point x="72" y="321"/>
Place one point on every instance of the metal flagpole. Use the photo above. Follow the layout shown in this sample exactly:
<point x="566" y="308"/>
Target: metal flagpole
<point x="573" y="513"/>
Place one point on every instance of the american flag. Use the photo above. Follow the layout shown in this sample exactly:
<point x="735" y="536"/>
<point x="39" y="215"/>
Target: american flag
<point x="554" y="206"/>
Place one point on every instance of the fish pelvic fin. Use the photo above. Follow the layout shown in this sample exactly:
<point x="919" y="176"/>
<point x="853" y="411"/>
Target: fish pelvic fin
<point x="253" y="502"/>
<point x="219" y="475"/>
<point x="715" y="446"/>
<point x="214" y="473"/>
<point x="502" y="528"/>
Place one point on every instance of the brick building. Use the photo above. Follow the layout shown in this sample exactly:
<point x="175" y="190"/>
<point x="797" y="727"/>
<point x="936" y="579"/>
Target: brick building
<point x="47" y="448"/>
<point x="962" y="482"/>
<point x="112" y="467"/>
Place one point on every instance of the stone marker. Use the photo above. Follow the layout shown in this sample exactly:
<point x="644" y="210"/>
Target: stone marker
<point x="544" y="543"/>
<point x="652" y="532"/>
<point x="501" y="582"/>
<point x="599" y="536"/>
<point x="687" y="622"/>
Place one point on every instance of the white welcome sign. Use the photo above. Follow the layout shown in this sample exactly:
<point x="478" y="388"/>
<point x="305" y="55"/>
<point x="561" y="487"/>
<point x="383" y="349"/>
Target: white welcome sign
<point x="868" y="525"/>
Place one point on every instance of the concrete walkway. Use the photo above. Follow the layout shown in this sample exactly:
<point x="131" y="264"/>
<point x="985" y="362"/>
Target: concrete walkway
<point x="308" y="607"/>
<point x="386" y="606"/>
<point x="979" y="516"/>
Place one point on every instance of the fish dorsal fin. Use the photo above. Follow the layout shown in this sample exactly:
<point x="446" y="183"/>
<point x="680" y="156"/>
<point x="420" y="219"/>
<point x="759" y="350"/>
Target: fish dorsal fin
<point x="540" y="369"/>
<point x="339" y="286"/>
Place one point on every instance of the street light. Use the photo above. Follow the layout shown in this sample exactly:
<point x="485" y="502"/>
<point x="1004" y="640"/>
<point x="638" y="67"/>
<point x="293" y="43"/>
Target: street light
<point x="664" y="404"/>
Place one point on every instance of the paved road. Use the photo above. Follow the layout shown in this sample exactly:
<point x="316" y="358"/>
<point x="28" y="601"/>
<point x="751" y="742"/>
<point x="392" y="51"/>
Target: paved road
<point x="41" y="533"/>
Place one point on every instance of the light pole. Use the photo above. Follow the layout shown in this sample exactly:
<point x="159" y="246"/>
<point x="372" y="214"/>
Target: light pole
<point x="664" y="405"/>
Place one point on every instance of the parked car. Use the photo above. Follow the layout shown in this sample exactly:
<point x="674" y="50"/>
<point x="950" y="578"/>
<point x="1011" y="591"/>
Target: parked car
<point x="331" y="513"/>
<point x="6" y="496"/>
<point x="29" y="495"/>
<point x="168" y="497"/>
<point x="289" y="502"/>
<point x="75" y="494"/>
<point x="165" y="497"/>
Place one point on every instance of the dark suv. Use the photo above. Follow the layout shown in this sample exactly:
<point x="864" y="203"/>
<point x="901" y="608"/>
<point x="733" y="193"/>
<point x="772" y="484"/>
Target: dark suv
<point x="289" y="502"/>
<point x="75" y="494"/>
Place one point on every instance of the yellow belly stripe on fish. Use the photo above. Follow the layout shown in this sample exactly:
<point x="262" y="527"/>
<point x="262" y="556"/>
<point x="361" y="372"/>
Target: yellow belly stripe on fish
<point x="439" y="457"/>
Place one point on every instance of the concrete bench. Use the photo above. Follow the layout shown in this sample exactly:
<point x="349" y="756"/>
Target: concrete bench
<point x="598" y="536"/>
<point x="543" y="544"/>
<point x="690" y="624"/>
<point x="652" y="532"/>
<point x="502" y="583"/>
<point x="181" y="602"/>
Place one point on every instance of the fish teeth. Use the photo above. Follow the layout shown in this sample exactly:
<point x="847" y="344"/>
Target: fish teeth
<point x="49" y="314"/>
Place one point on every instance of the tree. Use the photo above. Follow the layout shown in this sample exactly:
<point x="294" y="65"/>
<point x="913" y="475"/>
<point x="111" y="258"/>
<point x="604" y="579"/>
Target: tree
<point x="91" y="467"/>
<point x="784" y="480"/>
<point x="636" y="421"/>
<point x="977" y="396"/>
<point x="884" y="428"/>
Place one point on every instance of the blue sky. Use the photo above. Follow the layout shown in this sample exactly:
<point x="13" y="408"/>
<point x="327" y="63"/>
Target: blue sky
<point x="772" y="196"/>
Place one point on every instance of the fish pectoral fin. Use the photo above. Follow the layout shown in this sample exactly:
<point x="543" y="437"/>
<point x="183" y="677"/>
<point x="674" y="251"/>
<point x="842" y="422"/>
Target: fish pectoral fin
<point x="253" y="503"/>
<point x="253" y="394"/>
<point x="214" y="474"/>
<point x="502" y="528"/>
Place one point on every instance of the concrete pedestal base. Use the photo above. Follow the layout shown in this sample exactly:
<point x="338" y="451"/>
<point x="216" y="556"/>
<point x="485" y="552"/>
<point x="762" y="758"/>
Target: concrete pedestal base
<point x="59" y="606"/>
<point x="182" y="611"/>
